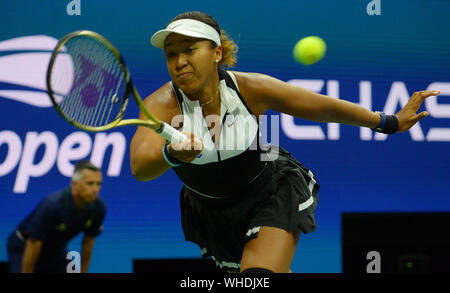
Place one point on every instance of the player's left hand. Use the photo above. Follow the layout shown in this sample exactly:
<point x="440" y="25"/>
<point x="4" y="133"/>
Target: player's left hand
<point x="407" y="116"/>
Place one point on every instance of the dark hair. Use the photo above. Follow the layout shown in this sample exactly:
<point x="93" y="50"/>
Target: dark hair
<point x="229" y="48"/>
<point x="80" y="166"/>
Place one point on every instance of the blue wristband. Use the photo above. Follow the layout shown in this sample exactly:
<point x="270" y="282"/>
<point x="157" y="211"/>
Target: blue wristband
<point x="169" y="158"/>
<point x="383" y="120"/>
<point x="388" y="124"/>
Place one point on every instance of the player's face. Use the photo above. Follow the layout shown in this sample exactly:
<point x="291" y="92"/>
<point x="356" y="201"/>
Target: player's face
<point x="89" y="185"/>
<point x="191" y="62"/>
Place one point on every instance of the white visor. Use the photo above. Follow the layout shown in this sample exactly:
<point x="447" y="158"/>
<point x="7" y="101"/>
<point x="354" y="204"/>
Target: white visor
<point x="187" y="27"/>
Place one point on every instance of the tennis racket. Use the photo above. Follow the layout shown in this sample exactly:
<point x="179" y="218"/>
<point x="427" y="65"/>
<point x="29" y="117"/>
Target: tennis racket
<point x="89" y="86"/>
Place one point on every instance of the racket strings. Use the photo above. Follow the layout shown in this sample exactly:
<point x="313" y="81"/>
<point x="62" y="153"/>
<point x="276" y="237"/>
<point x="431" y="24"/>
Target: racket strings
<point x="94" y="79"/>
<point x="115" y="70"/>
<point x="97" y="81"/>
<point x="77" y="112"/>
<point x="103" y="89"/>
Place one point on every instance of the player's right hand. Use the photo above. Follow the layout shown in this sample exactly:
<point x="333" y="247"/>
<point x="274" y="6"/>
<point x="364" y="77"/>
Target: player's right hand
<point x="186" y="150"/>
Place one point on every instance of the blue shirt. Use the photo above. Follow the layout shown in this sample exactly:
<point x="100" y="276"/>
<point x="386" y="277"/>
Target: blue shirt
<point x="55" y="221"/>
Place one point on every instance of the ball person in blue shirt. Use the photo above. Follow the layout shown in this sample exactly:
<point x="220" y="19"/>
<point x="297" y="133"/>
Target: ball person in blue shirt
<point x="39" y="243"/>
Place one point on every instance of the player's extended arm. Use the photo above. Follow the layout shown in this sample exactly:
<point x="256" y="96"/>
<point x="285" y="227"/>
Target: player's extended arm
<point x="86" y="252"/>
<point x="31" y="254"/>
<point x="266" y="92"/>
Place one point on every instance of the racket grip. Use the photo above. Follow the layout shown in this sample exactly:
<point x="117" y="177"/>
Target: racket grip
<point x="170" y="133"/>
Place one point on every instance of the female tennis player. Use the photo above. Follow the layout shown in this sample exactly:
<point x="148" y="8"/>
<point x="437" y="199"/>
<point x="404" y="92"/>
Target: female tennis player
<point x="244" y="211"/>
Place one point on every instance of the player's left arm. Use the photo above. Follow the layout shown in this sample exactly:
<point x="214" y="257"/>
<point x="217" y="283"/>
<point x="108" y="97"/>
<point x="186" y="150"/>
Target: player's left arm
<point x="86" y="252"/>
<point x="263" y="92"/>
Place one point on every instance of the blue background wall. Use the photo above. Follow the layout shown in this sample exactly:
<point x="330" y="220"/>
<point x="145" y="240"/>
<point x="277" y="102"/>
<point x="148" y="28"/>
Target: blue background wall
<point x="406" y="48"/>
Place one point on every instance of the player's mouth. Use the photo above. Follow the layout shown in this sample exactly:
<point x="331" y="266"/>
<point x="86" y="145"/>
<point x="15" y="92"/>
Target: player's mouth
<point x="184" y="75"/>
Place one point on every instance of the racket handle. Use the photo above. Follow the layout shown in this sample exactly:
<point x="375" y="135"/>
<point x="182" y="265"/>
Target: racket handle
<point x="170" y="133"/>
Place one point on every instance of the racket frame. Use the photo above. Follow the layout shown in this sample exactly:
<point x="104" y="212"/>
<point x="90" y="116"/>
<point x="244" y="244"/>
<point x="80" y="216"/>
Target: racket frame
<point x="151" y="121"/>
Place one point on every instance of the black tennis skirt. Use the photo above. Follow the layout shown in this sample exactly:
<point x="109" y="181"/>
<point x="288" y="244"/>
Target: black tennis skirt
<point x="283" y="196"/>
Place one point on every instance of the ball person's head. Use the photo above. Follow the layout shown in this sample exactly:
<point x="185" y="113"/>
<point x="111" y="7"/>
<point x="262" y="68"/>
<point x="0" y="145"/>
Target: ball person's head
<point x="86" y="182"/>
<point x="194" y="46"/>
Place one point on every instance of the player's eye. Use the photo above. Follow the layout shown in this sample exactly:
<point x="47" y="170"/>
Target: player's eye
<point x="169" y="54"/>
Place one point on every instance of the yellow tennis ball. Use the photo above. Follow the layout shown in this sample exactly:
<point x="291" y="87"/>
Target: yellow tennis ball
<point x="309" y="50"/>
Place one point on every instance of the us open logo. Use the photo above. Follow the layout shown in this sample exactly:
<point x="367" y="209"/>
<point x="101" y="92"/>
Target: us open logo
<point x="23" y="66"/>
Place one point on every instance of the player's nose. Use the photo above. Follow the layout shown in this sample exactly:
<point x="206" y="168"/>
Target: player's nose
<point x="181" y="60"/>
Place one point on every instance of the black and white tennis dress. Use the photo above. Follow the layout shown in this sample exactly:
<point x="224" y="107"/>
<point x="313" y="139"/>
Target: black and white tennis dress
<point x="234" y="188"/>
